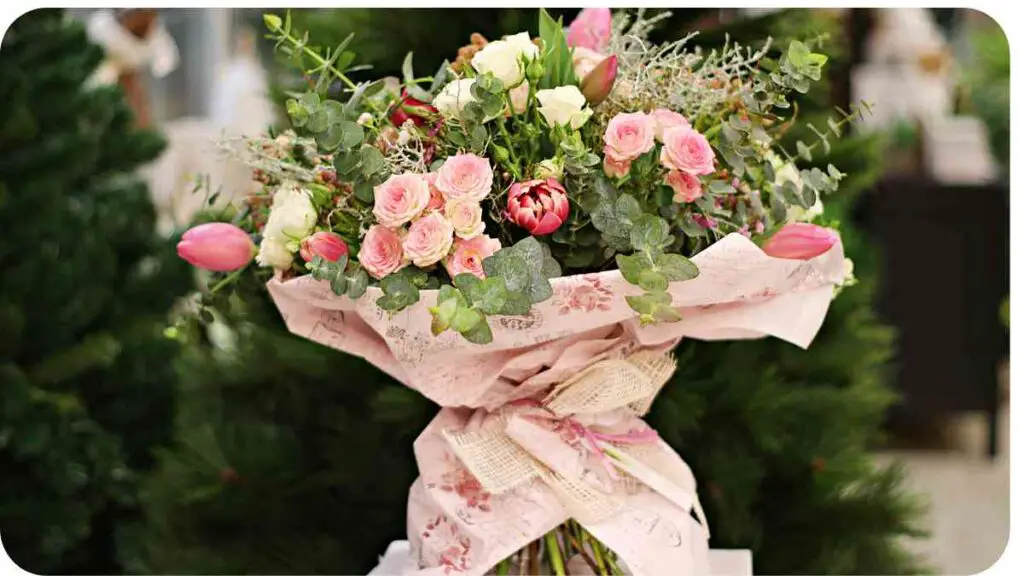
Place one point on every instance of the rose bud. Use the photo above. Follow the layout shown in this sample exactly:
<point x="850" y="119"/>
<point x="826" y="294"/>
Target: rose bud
<point x="538" y="206"/>
<point x="800" y="241"/>
<point x="598" y="83"/>
<point x="409" y="108"/>
<point x="326" y="245"/>
<point x="217" y="246"/>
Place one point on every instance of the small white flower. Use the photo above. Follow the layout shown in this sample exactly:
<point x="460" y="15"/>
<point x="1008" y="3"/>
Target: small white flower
<point x="292" y="215"/>
<point x="403" y="137"/>
<point x="365" y="119"/>
<point x="564" y="105"/>
<point x="274" y="253"/>
<point x="454" y="97"/>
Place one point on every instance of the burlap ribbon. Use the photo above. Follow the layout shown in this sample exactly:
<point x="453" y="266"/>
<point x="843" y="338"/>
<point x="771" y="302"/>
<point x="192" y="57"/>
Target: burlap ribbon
<point x="512" y="449"/>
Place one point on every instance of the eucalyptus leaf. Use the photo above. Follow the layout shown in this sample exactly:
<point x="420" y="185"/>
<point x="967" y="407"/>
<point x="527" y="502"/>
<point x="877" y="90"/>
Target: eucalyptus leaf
<point x="676" y="267"/>
<point x="649" y="232"/>
<point x="721" y="187"/>
<point x="488" y="295"/>
<point x="652" y="280"/>
<point x="804" y="151"/>
<point x="351" y="134"/>
<point x="479" y="334"/>
<point x="465" y="319"/>
<point x="363" y="190"/>
<point x="632" y="266"/>
<point x="371" y="160"/>
<point x="516" y="304"/>
<point x="627" y="208"/>
<point x="465" y="282"/>
<point x="357" y="284"/>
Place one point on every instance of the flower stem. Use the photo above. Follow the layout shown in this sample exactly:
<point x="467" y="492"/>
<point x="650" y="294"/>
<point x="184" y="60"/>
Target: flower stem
<point x="227" y="279"/>
<point x="502" y="569"/>
<point x="554" y="553"/>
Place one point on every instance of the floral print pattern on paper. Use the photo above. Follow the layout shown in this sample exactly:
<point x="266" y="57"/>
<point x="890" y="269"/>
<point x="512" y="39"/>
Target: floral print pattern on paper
<point x="588" y="295"/>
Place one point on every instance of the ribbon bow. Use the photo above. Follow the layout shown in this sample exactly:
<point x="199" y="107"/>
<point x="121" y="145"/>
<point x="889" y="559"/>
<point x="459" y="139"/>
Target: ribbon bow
<point x="512" y="449"/>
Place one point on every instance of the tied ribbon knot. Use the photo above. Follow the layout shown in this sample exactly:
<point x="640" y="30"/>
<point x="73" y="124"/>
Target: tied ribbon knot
<point x="513" y="447"/>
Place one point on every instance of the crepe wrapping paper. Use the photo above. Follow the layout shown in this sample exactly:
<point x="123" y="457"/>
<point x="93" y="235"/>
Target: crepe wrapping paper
<point x="455" y="524"/>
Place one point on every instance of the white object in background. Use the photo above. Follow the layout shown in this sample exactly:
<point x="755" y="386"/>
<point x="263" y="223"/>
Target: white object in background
<point x="126" y="53"/>
<point x="956" y="151"/>
<point x="901" y="91"/>
<point x="902" y="35"/>
<point x="397" y="560"/>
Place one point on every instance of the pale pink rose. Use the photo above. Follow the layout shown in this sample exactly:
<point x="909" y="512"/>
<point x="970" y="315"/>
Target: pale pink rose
<point x="468" y="255"/>
<point x="466" y="217"/>
<point x="584" y="60"/>
<point x="687" y="188"/>
<point x="665" y="119"/>
<point x="465" y="177"/>
<point x="381" y="251"/>
<point x="613" y="169"/>
<point x="436" y="198"/>
<point x="399" y="199"/>
<point x="687" y="150"/>
<point x="592" y="28"/>
<point x="428" y="240"/>
<point x="628" y="136"/>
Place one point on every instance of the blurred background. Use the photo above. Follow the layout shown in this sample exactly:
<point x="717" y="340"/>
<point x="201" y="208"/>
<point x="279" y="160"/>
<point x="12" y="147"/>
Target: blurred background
<point x="134" y="440"/>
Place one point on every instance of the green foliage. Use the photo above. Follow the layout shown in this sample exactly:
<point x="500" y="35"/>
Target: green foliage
<point x="85" y="372"/>
<point x="289" y="458"/>
<point x="557" y="54"/>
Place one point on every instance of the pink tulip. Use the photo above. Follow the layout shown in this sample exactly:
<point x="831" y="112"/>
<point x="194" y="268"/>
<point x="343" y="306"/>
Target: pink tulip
<point x="800" y="241"/>
<point x="538" y="206"/>
<point x="216" y="246"/>
<point x="326" y="245"/>
<point x="591" y="29"/>
<point x="597" y="84"/>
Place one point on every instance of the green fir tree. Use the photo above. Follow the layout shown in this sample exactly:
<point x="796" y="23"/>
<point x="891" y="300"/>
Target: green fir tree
<point x="86" y="383"/>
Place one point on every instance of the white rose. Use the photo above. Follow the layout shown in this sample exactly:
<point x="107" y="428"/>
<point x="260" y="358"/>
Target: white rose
<point x="520" y="96"/>
<point x="466" y="217"/>
<point x="525" y="46"/>
<point x="454" y="96"/>
<point x="564" y="105"/>
<point x="274" y="253"/>
<point x="292" y="215"/>
<point x="500" y="58"/>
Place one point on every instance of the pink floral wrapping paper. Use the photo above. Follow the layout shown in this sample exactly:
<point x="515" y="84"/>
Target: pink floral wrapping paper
<point x="457" y="527"/>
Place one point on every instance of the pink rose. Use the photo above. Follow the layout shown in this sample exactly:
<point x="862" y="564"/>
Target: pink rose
<point x="613" y="169"/>
<point x="436" y="198"/>
<point x="592" y="28"/>
<point x="665" y="119"/>
<point x="687" y="150"/>
<point x="687" y="187"/>
<point x="399" y="199"/>
<point x="468" y="256"/>
<point x="465" y="177"/>
<point x="628" y="136"/>
<point x="466" y="217"/>
<point x="381" y="251"/>
<point x="428" y="240"/>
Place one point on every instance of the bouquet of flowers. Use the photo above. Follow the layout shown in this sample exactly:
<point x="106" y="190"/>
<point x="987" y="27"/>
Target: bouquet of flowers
<point x="524" y="237"/>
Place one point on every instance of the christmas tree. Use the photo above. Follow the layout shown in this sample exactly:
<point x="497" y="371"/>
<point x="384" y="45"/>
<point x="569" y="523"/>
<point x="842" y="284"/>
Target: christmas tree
<point x="86" y="375"/>
<point x="306" y="465"/>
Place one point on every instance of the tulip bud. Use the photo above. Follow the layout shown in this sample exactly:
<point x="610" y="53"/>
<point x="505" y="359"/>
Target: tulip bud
<point x="538" y="206"/>
<point x="800" y="241"/>
<point x="409" y="108"/>
<point x="598" y="83"/>
<point x="326" y="245"/>
<point x="217" y="246"/>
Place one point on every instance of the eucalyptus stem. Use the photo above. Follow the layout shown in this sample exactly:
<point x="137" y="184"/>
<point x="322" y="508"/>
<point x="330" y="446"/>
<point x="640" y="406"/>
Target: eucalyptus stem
<point x="554" y="553"/>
